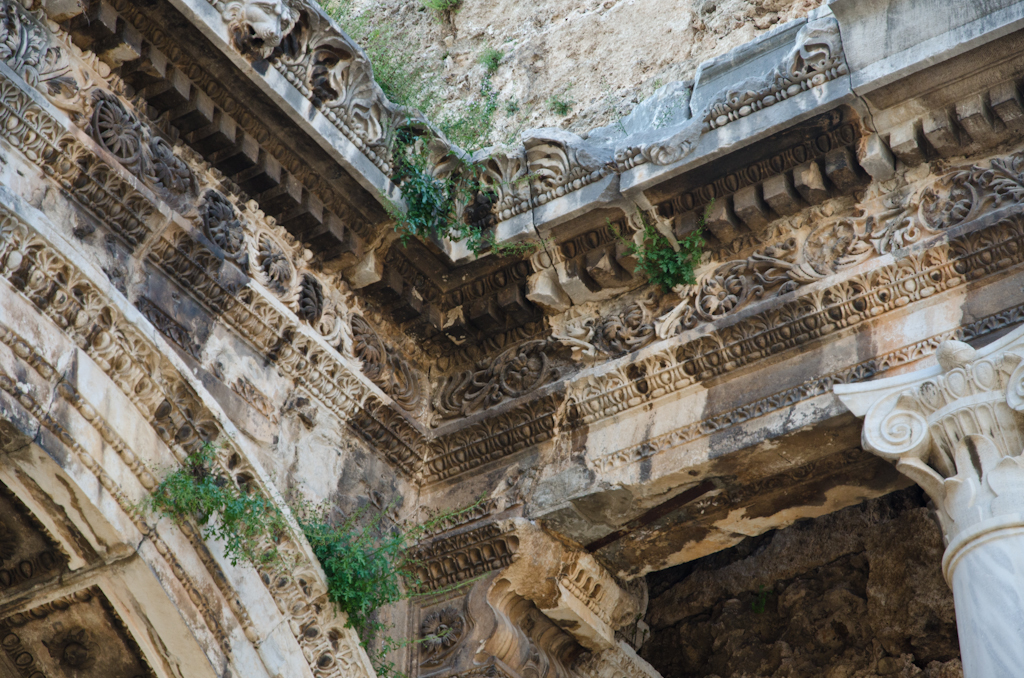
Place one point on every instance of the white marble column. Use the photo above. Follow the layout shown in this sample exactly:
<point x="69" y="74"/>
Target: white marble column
<point x="957" y="429"/>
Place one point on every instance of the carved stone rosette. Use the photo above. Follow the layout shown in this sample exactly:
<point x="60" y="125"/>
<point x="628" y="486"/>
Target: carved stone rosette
<point x="957" y="429"/>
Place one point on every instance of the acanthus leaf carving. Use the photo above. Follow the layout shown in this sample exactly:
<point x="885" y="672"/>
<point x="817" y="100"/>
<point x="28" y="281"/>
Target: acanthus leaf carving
<point x="514" y="372"/>
<point x="954" y="429"/>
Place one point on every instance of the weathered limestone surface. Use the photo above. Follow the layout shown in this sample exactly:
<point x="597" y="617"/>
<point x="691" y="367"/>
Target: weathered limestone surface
<point x="195" y="246"/>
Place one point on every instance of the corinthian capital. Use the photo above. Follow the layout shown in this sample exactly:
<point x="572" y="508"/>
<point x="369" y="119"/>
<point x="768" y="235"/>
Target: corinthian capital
<point x="955" y="429"/>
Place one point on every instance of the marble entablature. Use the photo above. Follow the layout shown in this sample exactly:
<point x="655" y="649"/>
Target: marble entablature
<point x="195" y="245"/>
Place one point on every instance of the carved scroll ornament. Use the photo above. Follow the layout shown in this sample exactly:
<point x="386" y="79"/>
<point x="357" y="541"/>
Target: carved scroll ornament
<point x="956" y="429"/>
<point x="818" y="246"/>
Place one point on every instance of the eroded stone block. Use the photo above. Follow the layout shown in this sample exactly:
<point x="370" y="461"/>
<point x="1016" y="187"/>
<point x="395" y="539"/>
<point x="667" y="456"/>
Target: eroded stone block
<point x="514" y="305"/>
<point x="809" y="183"/>
<point x="842" y="170"/>
<point x="603" y="268"/>
<point x="907" y="143"/>
<point x="484" y="314"/>
<point x="543" y="289"/>
<point x="751" y="208"/>
<point x="722" y="222"/>
<point x="941" y="132"/>
<point x="1006" y="101"/>
<point x="778" y="192"/>
<point x="977" y="120"/>
<point x="876" y="158"/>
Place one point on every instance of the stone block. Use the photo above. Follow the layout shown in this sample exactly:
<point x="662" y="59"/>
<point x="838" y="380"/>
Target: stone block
<point x="977" y="120"/>
<point x="366" y="271"/>
<point x="388" y="289"/>
<point x="149" y="67"/>
<point x="684" y="224"/>
<point x="484" y="314"/>
<point x="283" y="197"/>
<point x="809" y="183"/>
<point x="576" y="282"/>
<point x="1006" y="102"/>
<point x="751" y="208"/>
<point x="455" y="327"/>
<point x="409" y="305"/>
<point x="941" y="132"/>
<point x="876" y="158"/>
<point x="241" y="155"/>
<point x="604" y="269"/>
<point x="304" y="219"/>
<point x="211" y="138"/>
<point x="842" y="170"/>
<point x="722" y="222"/>
<point x="124" y="45"/>
<point x="907" y="143"/>
<point x="779" y="194"/>
<point x="198" y="112"/>
<point x="171" y="92"/>
<point x="62" y="10"/>
<point x="625" y="256"/>
<point x="514" y="305"/>
<point x="543" y="289"/>
<point x="263" y="176"/>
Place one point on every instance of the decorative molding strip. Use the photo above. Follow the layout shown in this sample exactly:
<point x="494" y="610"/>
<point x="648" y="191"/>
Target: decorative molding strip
<point x="180" y="418"/>
<point x="455" y="559"/>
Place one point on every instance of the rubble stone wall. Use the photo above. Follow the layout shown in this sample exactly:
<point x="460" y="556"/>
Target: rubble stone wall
<point x="855" y="594"/>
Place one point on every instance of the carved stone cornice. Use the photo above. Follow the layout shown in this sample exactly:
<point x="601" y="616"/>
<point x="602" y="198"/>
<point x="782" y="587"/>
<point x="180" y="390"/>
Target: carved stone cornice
<point x="168" y="400"/>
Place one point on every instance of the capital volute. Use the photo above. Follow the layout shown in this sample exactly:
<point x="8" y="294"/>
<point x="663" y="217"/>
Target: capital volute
<point x="956" y="428"/>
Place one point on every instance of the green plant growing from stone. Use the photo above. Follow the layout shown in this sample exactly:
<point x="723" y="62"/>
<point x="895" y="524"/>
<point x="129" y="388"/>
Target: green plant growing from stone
<point x="559" y="104"/>
<point x="513" y="249"/>
<point x="491" y="59"/>
<point x="369" y="562"/>
<point x="244" y="520"/>
<point x="663" y="264"/>
<point x="441" y="7"/>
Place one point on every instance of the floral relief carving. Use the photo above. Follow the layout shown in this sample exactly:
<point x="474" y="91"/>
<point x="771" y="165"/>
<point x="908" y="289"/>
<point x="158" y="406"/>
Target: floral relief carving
<point x="384" y="366"/>
<point x="914" y="216"/>
<point x="117" y="130"/>
<point x="440" y="632"/>
<point x="591" y="336"/>
<point x="222" y="225"/>
<point x="121" y="133"/>
<point x="511" y="374"/>
<point x="73" y="649"/>
<point x="28" y="47"/>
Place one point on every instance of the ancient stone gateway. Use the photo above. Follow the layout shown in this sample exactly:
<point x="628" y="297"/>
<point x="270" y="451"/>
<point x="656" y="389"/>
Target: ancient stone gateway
<point x="805" y="463"/>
